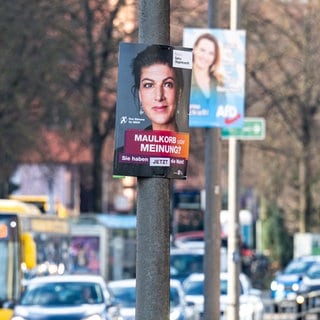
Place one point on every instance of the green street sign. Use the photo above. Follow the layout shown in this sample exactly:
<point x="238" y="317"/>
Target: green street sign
<point x="253" y="129"/>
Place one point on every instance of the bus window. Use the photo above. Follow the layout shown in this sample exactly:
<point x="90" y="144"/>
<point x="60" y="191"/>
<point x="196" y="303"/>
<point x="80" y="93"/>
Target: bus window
<point x="10" y="272"/>
<point x="3" y="269"/>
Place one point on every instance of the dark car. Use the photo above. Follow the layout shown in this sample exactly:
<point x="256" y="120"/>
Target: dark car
<point x="76" y="297"/>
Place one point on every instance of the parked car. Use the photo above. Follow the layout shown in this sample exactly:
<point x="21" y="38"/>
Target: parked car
<point x="287" y="284"/>
<point x="76" y="297"/>
<point x="251" y="304"/>
<point x="125" y="292"/>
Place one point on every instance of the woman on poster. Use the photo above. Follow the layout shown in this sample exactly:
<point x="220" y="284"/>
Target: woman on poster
<point x="207" y="91"/>
<point x="157" y="87"/>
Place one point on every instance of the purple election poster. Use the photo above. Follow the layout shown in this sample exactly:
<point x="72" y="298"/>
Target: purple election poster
<point x="152" y="113"/>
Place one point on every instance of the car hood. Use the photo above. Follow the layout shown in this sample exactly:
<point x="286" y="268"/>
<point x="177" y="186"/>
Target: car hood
<point x="129" y="313"/>
<point x="308" y="281"/>
<point x="199" y="302"/>
<point x="57" y="312"/>
<point x="244" y="299"/>
<point x="288" y="278"/>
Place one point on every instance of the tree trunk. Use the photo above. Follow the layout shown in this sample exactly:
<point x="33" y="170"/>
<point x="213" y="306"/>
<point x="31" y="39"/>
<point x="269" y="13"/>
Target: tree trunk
<point x="305" y="197"/>
<point x="97" y="181"/>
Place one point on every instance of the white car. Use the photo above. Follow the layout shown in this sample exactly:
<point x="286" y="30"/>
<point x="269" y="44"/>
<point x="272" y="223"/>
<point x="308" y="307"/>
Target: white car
<point x="77" y="297"/>
<point x="251" y="305"/>
<point x="125" y="293"/>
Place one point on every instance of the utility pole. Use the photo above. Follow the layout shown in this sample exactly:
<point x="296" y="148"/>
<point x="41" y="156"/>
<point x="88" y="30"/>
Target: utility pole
<point x="212" y="226"/>
<point x="213" y="205"/>
<point x="153" y="198"/>
<point x="234" y="256"/>
<point x="233" y="233"/>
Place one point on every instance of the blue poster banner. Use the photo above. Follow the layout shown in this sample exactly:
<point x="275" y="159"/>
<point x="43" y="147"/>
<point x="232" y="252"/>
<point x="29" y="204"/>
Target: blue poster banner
<point x="218" y="77"/>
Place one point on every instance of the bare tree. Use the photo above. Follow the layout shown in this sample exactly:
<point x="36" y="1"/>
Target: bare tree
<point x="29" y="97"/>
<point x="98" y="27"/>
<point x="284" y="88"/>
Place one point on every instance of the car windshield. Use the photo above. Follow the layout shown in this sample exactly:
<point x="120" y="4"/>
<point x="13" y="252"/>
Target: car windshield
<point x="196" y="288"/>
<point x="185" y="264"/>
<point x="68" y="293"/>
<point x="297" y="267"/>
<point x="126" y="296"/>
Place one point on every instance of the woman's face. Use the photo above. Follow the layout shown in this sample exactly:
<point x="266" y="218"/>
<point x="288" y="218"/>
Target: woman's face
<point x="157" y="94"/>
<point x="204" y="54"/>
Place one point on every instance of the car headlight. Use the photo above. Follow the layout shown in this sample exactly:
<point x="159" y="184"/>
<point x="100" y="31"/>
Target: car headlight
<point x="274" y="285"/>
<point x="295" y="287"/>
<point x="300" y="299"/>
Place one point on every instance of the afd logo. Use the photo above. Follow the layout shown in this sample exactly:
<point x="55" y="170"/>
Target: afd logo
<point x="229" y="113"/>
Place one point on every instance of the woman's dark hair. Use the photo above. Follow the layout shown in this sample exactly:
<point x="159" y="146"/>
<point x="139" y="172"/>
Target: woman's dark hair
<point x="151" y="55"/>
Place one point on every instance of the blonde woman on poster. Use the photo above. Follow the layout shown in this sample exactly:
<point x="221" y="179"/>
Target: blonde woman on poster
<point x="217" y="89"/>
<point x="207" y="79"/>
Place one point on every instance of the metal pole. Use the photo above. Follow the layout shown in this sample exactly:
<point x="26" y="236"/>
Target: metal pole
<point x="233" y="208"/>
<point x="212" y="226"/>
<point x="233" y="230"/>
<point x="153" y="198"/>
<point x="213" y="205"/>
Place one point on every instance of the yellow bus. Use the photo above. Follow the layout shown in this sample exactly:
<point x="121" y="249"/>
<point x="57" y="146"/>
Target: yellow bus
<point x="29" y="240"/>
<point x="43" y="204"/>
<point x="16" y="248"/>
